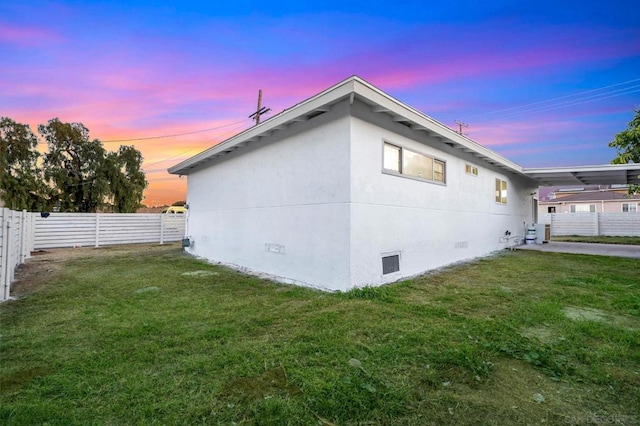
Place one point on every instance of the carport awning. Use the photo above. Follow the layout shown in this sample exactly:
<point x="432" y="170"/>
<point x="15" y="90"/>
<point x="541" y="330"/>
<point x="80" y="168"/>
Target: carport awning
<point x="610" y="174"/>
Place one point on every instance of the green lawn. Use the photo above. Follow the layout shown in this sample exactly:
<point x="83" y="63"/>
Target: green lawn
<point x="603" y="240"/>
<point x="148" y="335"/>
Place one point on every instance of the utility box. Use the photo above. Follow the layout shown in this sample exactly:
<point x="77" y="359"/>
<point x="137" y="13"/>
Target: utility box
<point x="541" y="234"/>
<point x="547" y="232"/>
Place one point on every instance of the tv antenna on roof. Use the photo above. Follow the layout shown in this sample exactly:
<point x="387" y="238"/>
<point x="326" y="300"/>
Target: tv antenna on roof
<point x="260" y="110"/>
<point x="460" y="125"/>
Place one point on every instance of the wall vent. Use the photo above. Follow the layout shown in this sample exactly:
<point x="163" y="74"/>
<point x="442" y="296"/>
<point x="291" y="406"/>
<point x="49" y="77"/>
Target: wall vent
<point x="462" y="244"/>
<point x="390" y="264"/>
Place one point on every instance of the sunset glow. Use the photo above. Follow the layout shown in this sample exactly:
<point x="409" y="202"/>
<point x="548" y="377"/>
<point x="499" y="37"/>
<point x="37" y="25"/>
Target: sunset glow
<point x="544" y="84"/>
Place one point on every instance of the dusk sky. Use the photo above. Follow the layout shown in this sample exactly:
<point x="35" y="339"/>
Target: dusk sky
<point x="543" y="83"/>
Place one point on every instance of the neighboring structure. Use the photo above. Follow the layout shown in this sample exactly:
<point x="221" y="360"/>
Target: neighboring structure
<point x="590" y="198"/>
<point x="352" y="188"/>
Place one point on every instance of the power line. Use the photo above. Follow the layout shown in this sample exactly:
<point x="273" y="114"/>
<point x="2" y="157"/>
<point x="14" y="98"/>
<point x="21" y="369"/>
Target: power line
<point x="194" y="149"/>
<point x="550" y="101"/>
<point x="580" y="101"/>
<point x="175" y="135"/>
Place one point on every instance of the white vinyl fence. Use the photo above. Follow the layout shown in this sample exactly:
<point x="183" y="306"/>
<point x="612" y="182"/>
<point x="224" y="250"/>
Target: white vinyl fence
<point x="23" y="232"/>
<point x="16" y="242"/>
<point x="594" y="224"/>
<point x="102" y="229"/>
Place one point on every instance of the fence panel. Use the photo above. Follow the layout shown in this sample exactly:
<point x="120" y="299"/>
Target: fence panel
<point x="595" y="224"/>
<point x="619" y="224"/>
<point x="101" y="229"/>
<point x="585" y="224"/>
<point x="15" y="246"/>
<point x="65" y="230"/>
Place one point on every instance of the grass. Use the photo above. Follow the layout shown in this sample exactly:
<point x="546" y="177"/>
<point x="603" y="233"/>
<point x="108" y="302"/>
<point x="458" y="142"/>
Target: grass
<point x="601" y="239"/>
<point x="152" y="336"/>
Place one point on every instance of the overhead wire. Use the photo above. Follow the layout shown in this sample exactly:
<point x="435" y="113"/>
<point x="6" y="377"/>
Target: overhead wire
<point x="177" y="134"/>
<point x="579" y="101"/>
<point x="217" y="139"/>
<point x="573" y="95"/>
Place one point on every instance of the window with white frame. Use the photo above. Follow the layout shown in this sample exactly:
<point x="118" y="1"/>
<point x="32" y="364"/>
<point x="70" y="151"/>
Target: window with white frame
<point x="583" y="208"/>
<point x="501" y="191"/>
<point x="403" y="161"/>
<point x="629" y="207"/>
<point x="471" y="170"/>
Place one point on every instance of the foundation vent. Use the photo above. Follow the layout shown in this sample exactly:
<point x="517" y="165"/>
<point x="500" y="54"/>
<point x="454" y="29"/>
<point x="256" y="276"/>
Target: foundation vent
<point x="390" y="264"/>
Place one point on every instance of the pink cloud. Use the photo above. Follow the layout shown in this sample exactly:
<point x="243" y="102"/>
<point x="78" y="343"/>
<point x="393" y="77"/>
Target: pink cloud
<point x="27" y="36"/>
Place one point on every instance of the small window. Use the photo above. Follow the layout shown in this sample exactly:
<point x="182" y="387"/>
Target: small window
<point x="501" y="191"/>
<point x="413" y="164"/>
<point x="471" y="170"/>
<point x="551" y="209"/>
<point x="629" y="207"/>
<point x="390" y="264"/>
<point x="392" y="158"/>
<point x="438" y="171"/>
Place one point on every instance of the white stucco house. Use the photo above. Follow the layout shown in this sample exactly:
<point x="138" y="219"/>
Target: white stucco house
<point x="353" y="188"/>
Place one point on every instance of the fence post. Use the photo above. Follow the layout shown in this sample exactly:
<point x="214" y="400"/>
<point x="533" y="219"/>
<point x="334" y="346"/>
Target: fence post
<point x="162" y="229"/>
<point x="23" y="236"/>
<point x="97" y="230"/>
<point x="6" y="254"/>
<point x="4" y="265"/>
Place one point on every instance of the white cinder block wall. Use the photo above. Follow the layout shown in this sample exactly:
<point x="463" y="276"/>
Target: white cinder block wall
<point x="281" y="207"/>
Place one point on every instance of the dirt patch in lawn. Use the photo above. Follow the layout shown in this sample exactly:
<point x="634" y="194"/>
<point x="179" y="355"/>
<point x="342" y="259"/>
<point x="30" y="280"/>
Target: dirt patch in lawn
<point x="273" y="382"/>
<point x="38" y="270"/>
<point x="597" y="315"/>
<point x="542" y="334"/>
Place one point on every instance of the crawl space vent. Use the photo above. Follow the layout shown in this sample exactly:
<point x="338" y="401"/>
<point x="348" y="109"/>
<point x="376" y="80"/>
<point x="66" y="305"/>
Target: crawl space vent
<point x="390" y="264"/>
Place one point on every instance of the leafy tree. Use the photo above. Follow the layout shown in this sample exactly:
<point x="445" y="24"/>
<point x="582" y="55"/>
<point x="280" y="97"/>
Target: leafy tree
<point x="85" y="176"/>
<point x="21" y="185"/>
<point x="127" y="180"/>
<point x="627" y="145"/>
<point x="75" y="166"/>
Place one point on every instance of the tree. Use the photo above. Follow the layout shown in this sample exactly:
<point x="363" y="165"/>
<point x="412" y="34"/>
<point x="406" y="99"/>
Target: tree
<point x="75" y="166"/>
<point x="127" y="180"/>
<point x="627" y="145"/>
<point x="21" y="184"/>
<point x="179" y="203"/>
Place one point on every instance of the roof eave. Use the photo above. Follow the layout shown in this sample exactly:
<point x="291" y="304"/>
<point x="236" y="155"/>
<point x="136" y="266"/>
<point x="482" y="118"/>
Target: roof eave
<point x="380" y="101"/>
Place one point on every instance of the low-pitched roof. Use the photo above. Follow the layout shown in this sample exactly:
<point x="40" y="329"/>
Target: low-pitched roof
<point x="608" y="174"/>
<point x="356" y="88"/>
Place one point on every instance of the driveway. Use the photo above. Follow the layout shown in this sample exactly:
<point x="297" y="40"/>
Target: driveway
<point x="619" y="250"/>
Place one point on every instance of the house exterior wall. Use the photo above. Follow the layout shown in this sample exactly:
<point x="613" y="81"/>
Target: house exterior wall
<point x="282" y="208"/>
<point x="600" y="206"/>
<point x="313" y="206"/>
<point x="430" y="225"/>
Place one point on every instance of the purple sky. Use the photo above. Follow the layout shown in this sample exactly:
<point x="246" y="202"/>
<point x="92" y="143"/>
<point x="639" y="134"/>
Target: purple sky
<point x="542" y="83"/>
